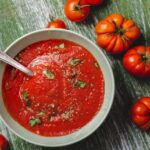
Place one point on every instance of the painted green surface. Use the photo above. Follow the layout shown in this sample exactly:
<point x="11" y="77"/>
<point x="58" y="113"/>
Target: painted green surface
<point x="18" y="17"/>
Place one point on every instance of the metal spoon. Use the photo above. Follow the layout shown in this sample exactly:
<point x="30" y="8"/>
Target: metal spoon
<point x="7" y="59"/>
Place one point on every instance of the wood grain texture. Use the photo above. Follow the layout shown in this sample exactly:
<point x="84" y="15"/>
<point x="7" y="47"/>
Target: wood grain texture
<point x="18" y="17"/>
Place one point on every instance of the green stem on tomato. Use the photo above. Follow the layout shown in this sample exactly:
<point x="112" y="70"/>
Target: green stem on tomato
<point x="145" y="58"/>
<point x="78" y="7"/>
<point x="51" y="18"/>
<point x="119" y="30"/>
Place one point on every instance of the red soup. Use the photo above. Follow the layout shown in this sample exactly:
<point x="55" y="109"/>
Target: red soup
<point x="65" y="93"/>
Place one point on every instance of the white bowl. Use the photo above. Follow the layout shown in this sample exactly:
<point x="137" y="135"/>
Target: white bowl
<point x="89" y="128"/>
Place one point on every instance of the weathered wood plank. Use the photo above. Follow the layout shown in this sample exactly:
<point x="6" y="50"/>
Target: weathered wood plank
<point x="117" y="132"/>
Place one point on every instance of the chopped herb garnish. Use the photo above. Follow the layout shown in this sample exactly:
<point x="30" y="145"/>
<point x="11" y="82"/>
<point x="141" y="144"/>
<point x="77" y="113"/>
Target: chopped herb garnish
<point x="25" y="95"/>
<point x="61" y="46"/>
<point x="34" y="121"/>
<point x="75" y="61"/>
<point x="79" y="84"/>
<point x="26" y="98"/>
<point x="49" y="74"/>
<point x="28" y="103"/>
<point x="96" y="65"/>
<point x="41" y="113"/>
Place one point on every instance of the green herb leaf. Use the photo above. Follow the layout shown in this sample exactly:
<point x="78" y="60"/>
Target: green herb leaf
<point x="75" y="61"/>
<point x="28" y="103"/>
<point x="25" y="95"/>
<point x="34" y="121"/>
<point x="80" y="84"/>
<point x="26" y="98"/>
<point x="41" y="113"/>
<point x="96" y="65"/>
<point x="49" y="74"/>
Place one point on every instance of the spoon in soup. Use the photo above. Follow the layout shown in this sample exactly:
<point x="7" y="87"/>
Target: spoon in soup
<point x="7" y="59"/>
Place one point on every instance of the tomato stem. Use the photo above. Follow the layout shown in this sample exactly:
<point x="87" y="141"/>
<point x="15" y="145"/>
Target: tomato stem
<point x="145" y="58"/>
<point x="51" y="18"/>
<point x="78" y="7"/>
<point x="120" y="31"/>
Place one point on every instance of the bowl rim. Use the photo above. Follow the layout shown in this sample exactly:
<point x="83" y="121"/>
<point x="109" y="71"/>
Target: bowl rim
<point x="111" y="95"/>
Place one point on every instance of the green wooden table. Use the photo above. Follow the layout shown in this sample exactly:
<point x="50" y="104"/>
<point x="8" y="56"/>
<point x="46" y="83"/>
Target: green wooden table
<point x="18" y="17"/>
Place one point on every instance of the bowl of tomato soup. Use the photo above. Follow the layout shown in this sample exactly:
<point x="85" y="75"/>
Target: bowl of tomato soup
<point x="69" y="95"/>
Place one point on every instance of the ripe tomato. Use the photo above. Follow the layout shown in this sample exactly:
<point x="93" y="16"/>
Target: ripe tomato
<point x="116" y="33"/>
<point x="137" y="61"/>
<point x="56" y="24"/>
<point x="140" y="113"/>
<point x="76" y="10"/>
<point x="3" y="142"/>
<point x="94" y="2"/>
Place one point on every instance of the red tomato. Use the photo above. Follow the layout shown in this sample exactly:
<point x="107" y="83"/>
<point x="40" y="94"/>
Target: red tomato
<point x="140" y="113"/>
<point x="94" y="2"/>
<point x="76" y="10"/>
<point x="57" y="24"/>
<point x="3" y="142"/>
<point x="137" y="61"/>
<point x="115" y="33"/>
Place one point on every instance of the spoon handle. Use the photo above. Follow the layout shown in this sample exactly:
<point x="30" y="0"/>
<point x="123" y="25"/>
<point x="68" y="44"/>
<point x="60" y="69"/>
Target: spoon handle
<point x="7" y="59"/>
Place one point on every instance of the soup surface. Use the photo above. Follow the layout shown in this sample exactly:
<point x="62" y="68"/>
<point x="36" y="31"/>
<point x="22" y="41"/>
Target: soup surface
<point x="65" y="93"/>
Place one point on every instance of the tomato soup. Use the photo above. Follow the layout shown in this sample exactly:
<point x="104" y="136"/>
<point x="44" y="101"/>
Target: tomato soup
<point x="64" y="94"/>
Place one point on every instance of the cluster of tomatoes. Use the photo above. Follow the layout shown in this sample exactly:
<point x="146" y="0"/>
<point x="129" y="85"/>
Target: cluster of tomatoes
<point x="78" y="10"/>
<point x="116" y="34"/>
